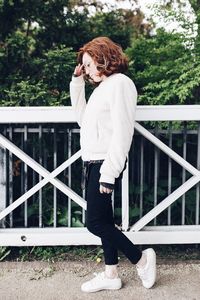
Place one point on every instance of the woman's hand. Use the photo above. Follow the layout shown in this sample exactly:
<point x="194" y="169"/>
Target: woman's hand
<point x="78" y="71"/>
<point x="103" y="189"/>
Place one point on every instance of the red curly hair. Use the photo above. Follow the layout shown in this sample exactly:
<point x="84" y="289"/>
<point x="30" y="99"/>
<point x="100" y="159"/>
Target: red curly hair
<point x="108" y="56"/>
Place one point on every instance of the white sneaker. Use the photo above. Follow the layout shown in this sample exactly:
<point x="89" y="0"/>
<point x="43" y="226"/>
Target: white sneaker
<point x="148" y="273"/>
<point x="100" y="282"/>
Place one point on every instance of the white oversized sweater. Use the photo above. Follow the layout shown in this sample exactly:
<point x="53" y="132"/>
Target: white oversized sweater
<point x="106" y="121"/>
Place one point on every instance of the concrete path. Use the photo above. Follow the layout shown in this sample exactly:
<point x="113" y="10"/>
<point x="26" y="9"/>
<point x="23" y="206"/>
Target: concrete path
<point x="59" y="281"/>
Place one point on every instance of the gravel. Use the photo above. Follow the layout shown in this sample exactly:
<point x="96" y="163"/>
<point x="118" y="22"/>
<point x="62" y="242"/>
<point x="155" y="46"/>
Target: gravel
<point x="62" y="280"/>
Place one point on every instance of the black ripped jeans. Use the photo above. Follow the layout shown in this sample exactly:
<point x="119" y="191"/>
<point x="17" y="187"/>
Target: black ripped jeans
<point x="100" y="221"/>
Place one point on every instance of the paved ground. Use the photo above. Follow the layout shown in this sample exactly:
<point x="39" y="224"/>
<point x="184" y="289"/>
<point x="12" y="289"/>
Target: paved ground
<point x="59" y="281"/>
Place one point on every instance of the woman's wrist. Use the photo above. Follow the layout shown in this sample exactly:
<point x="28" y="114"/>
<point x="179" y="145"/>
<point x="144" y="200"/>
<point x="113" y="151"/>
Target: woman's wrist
<point x="75" y="75"/>
<point x="107" y="185"/>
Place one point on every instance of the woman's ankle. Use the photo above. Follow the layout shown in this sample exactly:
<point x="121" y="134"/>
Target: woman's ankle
<point x="142" y="262"/>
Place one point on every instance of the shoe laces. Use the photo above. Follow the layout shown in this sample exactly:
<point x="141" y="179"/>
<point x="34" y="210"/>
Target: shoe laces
<point x="98" y="276"/>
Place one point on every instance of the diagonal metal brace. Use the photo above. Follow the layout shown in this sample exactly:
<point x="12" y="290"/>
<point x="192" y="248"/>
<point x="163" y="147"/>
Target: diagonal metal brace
<point x="47" y="177"/>
<point x="178" y="192"/>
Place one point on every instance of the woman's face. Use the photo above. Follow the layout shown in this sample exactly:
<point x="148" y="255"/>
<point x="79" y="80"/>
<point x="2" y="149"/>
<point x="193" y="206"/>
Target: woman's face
<point x="91" y="68"/>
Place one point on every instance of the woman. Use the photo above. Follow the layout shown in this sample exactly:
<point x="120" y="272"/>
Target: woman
<point x="107" y="126"/>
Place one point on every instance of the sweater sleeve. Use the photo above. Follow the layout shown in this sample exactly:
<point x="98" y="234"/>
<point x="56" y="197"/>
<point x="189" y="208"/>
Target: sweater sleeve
<point x="77" y="95"/>
<point x="122" y="107"/>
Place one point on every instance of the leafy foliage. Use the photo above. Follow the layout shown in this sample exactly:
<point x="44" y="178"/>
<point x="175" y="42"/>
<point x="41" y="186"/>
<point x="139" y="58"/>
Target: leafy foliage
<point x="47" y="83"/>
<point x="165" y="71"/>
<point x="38" y="41"/>
<point x="4" y="251"/>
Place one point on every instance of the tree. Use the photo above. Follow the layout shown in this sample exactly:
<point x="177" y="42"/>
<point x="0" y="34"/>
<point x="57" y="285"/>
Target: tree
<point x="48" y="83"/>
<point x="121" y="25"/>
<point x="166" y="67"/>
<point x="38" y="41"/>
<point x="165" y="71"/>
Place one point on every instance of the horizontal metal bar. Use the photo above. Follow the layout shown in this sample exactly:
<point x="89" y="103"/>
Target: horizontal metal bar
<point x="172" y="228"/>
<point x="77" y="130"/>
<point x="168" y="113"/>
<point x="81" y="236"/>
<point x="57" y="114"/>
<point x="44" y="129"/>
<point x="165" y="237"/>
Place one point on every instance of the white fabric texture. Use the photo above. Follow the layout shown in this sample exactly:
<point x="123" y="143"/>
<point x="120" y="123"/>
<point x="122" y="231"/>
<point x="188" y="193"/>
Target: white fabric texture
<point x="106" y="121"/>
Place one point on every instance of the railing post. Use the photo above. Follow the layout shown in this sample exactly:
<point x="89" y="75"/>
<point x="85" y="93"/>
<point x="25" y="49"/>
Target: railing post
<point x="2" y="183"/>
<point x="125" y="199"/>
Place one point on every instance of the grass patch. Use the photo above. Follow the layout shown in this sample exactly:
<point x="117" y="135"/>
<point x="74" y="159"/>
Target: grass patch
<point x="91" y="253"/>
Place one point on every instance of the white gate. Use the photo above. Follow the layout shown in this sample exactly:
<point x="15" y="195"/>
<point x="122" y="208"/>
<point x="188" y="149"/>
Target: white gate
<point x="140" y="232"/>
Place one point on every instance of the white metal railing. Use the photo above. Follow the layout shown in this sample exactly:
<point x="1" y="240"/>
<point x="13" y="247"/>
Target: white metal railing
<point x="139" y="232"/>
